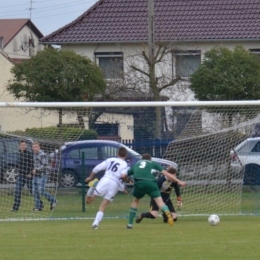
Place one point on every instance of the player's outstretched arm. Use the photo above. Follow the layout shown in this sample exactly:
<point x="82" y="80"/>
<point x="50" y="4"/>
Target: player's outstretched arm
<point x="100" y="167"/>
<point x="173" y="178"/>
<point x="91" y="177"/>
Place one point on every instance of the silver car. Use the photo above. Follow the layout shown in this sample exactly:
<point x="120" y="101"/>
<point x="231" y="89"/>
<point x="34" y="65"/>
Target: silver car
<point x="246" y="157"/>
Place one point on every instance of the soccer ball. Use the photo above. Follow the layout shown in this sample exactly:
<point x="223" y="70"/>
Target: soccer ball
<point x="213" y="220"/>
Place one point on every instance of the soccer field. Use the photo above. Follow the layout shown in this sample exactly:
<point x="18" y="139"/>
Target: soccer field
<point x="70" y="205"/>
<point x="236" y="237"/>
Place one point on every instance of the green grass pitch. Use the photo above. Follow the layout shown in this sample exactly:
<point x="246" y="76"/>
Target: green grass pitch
<point x="236" y="237"/>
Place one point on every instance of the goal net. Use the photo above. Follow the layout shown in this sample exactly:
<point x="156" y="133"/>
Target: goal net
<point x="215" y="147"/>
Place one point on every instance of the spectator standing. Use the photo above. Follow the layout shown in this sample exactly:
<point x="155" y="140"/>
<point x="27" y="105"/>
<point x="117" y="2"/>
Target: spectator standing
<point x="40" y="177"/>
<point x="24" y="167"/>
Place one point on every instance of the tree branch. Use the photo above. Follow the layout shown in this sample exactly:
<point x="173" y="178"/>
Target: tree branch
<point x="171" y="83"/>
<point x="141" y="71"/>
<point x="146" y="58"/>
<point x="157" y="60"/>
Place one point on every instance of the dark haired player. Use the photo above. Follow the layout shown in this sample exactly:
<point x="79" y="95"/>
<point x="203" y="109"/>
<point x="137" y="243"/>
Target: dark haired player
<point x="145" y="183"/>
<point x="165" y="187"/>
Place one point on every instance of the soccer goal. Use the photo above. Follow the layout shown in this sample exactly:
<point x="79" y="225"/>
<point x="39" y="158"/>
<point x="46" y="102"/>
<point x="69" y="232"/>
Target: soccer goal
<point x="215" y="147"/>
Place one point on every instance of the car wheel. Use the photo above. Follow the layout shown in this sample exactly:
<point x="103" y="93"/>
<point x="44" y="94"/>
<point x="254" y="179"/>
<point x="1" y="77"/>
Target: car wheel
<point x="252" y="174"/>
<point x="10" y="174"/>
<point x="68" y="179"/>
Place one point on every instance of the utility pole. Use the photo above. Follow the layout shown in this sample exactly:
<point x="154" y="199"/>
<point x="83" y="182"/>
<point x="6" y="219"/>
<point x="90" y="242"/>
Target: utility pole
<point x="151" y="30"/>
<point x="153" y="90"/>
<point x="30" y="9"/>
<point x="31" y="41"/>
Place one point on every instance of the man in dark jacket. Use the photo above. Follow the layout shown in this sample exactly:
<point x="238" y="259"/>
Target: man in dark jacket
<point x="24" y="167"/>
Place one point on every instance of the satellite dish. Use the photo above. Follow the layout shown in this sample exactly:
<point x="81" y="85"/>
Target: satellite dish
<point x="22" y="45"/>
<point x="31" y="41"/>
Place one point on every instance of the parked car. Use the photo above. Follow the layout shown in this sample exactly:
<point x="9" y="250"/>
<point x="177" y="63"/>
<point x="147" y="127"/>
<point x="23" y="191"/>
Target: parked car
<point x="9" y="147"/>
<point x="246" y="157"/>
<point x="95" y="152"/>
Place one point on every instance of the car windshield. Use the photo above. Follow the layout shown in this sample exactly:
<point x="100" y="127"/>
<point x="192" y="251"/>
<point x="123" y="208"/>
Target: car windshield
<point x="129" y="150"/>
<point x="244" y="146"/>
<point x="136" y="154"/>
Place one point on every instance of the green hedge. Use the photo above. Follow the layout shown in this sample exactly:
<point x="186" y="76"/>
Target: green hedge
<point x="58" y="133"/>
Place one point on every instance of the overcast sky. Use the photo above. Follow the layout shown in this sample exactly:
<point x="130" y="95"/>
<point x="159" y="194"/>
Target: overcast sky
<point x="47" y="15"/>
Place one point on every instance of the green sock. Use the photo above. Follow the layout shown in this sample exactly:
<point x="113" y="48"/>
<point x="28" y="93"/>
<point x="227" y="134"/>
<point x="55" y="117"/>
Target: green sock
<point x="132" y="216"/>
<point x="164" y="208"/>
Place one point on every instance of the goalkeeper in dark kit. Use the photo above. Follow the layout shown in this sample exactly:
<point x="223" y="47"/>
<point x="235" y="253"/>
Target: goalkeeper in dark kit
<point x="165" y="187"/>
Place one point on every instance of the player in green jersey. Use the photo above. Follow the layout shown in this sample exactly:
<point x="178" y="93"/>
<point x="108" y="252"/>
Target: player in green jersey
<point x="145" y="183"/>
<point x="166" y="188"/>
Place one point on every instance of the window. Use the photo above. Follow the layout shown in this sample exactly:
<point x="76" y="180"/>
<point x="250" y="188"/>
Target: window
<point x="106" y="129"/>
<point x="111" y="64"/>
<point x="75" y="154"/>
<point x="255" y="51"/>
<point x="182" y="117"/>
<point x="89" y="152"/>
<point x="109" y="151"/>
<point x="256" y="148"/>
<point x="186" y="62"/>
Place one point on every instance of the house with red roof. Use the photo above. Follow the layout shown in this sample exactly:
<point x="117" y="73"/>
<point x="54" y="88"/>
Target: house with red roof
<point x="112" y="32"/>
<point x="19" y="39"/>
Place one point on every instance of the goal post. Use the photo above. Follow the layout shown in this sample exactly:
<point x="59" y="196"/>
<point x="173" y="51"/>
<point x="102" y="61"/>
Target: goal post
<point x="207" y="141"/>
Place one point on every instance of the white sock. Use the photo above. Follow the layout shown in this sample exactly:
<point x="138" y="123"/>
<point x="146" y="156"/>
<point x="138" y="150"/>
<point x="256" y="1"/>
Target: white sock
<point x="98" y="218"/>
<point x="91" y="191"/>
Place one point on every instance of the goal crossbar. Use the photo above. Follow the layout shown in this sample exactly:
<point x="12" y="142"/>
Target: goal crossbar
<point x="132" y="104"/>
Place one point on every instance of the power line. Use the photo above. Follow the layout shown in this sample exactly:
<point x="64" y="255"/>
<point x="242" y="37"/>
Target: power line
<point x="59" y="6"/>
<point x="68" y="3"/>
<point x="58" y="14"/>
<point x="51" y="13"/>
<point x="64" y="6"/>
<point x="7" y="6"/>
<point x="25" y="4"/>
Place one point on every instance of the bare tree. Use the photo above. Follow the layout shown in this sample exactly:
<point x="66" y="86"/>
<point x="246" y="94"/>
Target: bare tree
<point x="154" y="76"/>
<point x="145" y="80"/>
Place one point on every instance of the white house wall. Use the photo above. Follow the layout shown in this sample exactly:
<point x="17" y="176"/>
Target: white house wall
<point x="13" y="48"/>
<point x="131" y="52"/>
<point x="12" y="119"/>
<point x="178" y="92"/>
<point x="126" y="123"/>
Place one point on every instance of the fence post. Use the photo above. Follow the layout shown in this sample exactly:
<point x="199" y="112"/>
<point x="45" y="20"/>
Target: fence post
<point x="83" y="193"/>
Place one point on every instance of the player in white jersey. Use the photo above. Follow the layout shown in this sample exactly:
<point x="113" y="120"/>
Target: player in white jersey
<point x="112" y="182"/>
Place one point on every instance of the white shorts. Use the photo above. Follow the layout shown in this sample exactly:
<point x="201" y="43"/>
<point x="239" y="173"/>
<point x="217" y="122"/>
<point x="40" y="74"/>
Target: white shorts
<point x="106" y="188"/>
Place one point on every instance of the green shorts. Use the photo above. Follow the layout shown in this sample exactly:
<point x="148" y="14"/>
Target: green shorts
<point x="143" y="187"/>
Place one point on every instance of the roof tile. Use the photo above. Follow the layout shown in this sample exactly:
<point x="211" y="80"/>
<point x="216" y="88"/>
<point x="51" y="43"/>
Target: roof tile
<point x="126" y="20"/>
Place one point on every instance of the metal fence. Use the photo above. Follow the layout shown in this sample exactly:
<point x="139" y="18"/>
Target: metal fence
<point x="155" y="147"/>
